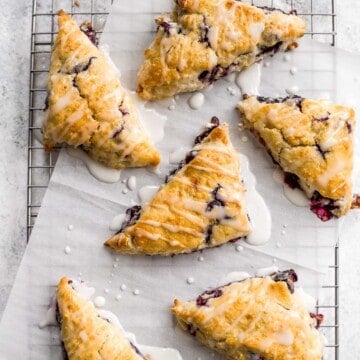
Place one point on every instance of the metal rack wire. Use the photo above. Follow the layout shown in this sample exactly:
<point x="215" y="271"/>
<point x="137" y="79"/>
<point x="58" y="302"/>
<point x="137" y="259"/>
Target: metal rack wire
<point x="321" y="25"/>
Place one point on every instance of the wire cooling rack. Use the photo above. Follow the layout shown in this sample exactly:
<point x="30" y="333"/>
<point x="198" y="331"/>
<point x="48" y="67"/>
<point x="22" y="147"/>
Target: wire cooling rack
<point x="320" y="17"/>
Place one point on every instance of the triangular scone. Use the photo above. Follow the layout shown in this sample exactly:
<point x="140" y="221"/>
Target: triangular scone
<point x="203" y="40"/>
<point x="200" y="206"/>
<point x="88" y="107"/>
<point x="312" y="141"/>
<point x="85" y="334"/>
<point x="257" y="318"/>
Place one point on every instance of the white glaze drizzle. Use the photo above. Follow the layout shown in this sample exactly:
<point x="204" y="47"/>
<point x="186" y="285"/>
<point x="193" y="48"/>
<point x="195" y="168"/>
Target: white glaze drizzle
<point x="116" y="222"/>
<point x="172" y="228"/>
<point x="50" y="316"/>
<point x="99" y="171"/>
<point x="295" y="196"/>
<point x="131" y="183"/>
<point x="292" y="90"/>
<point x="146" y="193"/>
<point x="266" y="271"/>
<point x="99" y="301"/>
<point x="248" y="80"/>
<point x="258" y="211"/>
<point x="154" y="123"/>
<point x="234" y="277"/>
<point x="176" y="156"/>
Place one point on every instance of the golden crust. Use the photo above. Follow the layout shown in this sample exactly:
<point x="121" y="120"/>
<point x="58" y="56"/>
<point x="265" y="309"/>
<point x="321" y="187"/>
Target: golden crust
<point x="88" y="106"/>
<point x="256" y="316"/>
<point x="205" y="39"/>
<point x="85" y="334"/>
<point x="312" y="139"/>
<point x="179" y="218"/>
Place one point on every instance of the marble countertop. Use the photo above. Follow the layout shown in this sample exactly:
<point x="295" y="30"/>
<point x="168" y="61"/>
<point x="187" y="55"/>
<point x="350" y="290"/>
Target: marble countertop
<point x="15" y="24"/>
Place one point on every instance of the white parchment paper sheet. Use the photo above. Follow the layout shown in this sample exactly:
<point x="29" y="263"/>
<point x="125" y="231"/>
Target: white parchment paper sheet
<point x="75" y="197"/>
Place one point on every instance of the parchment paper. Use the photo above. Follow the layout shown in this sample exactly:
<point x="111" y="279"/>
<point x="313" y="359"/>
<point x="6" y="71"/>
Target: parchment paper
<point x="75" y="198"/>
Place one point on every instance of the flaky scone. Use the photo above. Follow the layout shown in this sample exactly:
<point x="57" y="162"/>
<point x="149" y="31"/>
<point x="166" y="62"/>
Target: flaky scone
<point x="87" y="106"/>
<point x="85" y="334"/>
<point x="254" y="319"/>
<point x="200" y="206"/>
<point x="312" y="141"/>
<point x="203" y="40"/>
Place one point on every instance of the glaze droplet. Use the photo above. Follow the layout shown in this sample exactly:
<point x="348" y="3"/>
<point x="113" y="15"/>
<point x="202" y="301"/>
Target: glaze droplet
<point x="196" y="101"/>
<point x="190" y="280"/>
<point x="99" y="301"/>
<point x="239" y="248"/>
<point x="67" y="250"/>
<point x="131" y="183"/>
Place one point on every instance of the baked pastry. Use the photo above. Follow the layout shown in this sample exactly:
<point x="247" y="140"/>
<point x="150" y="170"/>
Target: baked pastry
<point x="260" y="318"/>
<point x="87" y="106"/>
<point x="200" y="206"/>
<point x="87" y="335"/>
<point x="203" y="40"/>
<point x="312" y="141"/>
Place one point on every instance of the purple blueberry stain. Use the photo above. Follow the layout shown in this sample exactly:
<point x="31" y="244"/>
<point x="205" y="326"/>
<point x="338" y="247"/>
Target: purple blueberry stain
<point x="47" y="101"/>
<point x="215" y="122"/>
<point x="123" y="111"/>
<point x="318" y="319"/>
<point x="191" y="329"/>
<point x="321" y="151"/>
<point x="203" y="299"/>
<point x="323" y="207"/>
<point x="288" y="276"/>
<point x="268" y="10"/>
<point x="204" y="33"/>
<point x="269" y="50"/>
<point x="209" y="230"/>
<point x="349" y="127"/>
<point x="216" y="201"/>
<point x="295" y="100"/>
<point x="291" y="180"/>
<point x="132" y="215"/>
<point x="83" y="66"/>
<point x="118" y="131"/>
<point x="323" y="118"/>
<point x="89" y="31"/>
<point x="189" y="156"/>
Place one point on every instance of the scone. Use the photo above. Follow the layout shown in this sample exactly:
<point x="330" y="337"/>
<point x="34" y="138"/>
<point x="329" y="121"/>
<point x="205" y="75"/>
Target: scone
<point x="312" y="141"/>
<point x="200" y="206"/>
<point x="260" y="318"/>
<point x="203" y="40"/>
<point x="86" y="333"/>
<point x="87" y="106"/>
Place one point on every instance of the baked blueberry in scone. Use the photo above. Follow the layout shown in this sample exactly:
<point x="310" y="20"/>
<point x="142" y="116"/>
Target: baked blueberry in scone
<point x="201" y="205"/>
<point x="87" y="334"/>
<point x="87" y="106"/>
<point x="312" y="141"/>
<point x="203" y="40"/>
<point x="260" y="318"/>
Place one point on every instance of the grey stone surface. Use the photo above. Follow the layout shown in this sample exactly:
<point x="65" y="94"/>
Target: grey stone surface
<point x="15" y="20"/>
<point x="14" y="80"/>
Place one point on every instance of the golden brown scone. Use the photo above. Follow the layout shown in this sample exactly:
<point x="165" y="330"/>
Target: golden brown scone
<point x="85" y="334"/>
<point x="87" y="105"/>
<point x="255" y="319"/>
<point x="203" y="40"/>
<point x="312" y="141"/>
<point x="200" y="206"/>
